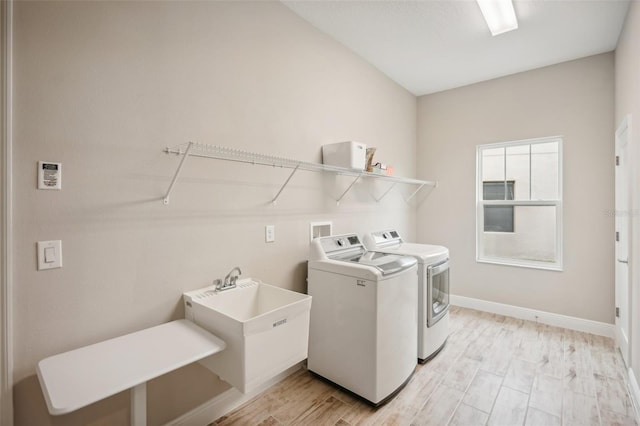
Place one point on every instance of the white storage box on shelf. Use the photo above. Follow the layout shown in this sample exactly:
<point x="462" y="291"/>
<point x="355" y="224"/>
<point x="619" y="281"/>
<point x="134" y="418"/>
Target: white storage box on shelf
<point x="351" y="155"/>
<point x="266" y="329"/>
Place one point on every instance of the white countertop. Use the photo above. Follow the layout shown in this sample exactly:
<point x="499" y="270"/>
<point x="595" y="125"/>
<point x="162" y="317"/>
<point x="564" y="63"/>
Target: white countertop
<point x="80" y="377"/>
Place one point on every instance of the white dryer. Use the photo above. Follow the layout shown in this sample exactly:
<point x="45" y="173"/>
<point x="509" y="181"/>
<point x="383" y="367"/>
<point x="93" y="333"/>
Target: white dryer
<point x="433" y="287"/>
<point x="363" y="317"/>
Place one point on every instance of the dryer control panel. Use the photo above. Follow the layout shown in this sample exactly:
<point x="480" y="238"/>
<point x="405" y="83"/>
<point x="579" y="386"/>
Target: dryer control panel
<point x="387" y="238"/>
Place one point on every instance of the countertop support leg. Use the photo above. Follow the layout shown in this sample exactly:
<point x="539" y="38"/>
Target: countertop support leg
<point x="139" y="405"/>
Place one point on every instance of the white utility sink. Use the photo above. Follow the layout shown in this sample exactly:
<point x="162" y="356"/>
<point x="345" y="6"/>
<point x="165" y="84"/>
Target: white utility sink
<point x="266" y="329"/>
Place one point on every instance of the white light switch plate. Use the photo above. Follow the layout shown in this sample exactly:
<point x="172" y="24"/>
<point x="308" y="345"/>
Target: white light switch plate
<point x="49" y="254"/>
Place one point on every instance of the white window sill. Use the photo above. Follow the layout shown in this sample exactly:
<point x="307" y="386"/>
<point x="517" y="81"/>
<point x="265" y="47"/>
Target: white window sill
<point x="524" y="264"/>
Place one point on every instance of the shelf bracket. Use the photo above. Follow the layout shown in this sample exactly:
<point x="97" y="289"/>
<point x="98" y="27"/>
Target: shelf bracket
<point x="414" y="193"/>
<point x="348" y="189"/>
<point x="175" y="176"/>
<point x="286" y="182"/>
<point x="385" y="193"/>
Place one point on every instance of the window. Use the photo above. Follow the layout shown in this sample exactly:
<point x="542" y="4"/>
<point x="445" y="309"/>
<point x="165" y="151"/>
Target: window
<point x="519" y="203"/>
<point x="498" y="218"/>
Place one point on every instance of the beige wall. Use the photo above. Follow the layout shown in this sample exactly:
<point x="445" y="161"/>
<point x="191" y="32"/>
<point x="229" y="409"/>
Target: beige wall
<point x="573" y="99"/>
<point x="627" y="63"/>
<point x="103" y="87"/>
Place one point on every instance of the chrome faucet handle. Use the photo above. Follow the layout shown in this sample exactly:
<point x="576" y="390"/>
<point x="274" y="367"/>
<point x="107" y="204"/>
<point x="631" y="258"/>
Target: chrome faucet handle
<point x="218" y="283"/>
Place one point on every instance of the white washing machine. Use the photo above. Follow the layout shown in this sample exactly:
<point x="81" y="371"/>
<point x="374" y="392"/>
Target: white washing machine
<point x="363" y="317"/>
<point x="433" y="287"/>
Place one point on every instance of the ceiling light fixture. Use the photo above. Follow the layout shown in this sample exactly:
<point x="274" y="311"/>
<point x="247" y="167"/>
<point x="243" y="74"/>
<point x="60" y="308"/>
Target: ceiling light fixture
<point x="499" y="15"/>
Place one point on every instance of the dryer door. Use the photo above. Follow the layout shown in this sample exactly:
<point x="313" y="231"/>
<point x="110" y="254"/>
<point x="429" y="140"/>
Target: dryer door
<point x="437" y="292"/>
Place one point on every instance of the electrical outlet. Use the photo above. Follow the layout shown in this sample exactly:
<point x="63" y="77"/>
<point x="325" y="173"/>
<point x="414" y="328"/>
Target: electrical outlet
<point x="269" y="233"/>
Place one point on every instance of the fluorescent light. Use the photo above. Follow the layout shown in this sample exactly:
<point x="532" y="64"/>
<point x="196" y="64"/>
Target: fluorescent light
<point x="499" y="15"/>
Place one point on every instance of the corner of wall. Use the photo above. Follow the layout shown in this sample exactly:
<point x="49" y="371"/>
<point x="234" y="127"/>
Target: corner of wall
<point x="6" y="355"/>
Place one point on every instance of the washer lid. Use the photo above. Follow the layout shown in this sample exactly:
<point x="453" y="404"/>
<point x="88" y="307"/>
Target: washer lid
<point x="349" y="249"/>
<point x="386" y="263"/>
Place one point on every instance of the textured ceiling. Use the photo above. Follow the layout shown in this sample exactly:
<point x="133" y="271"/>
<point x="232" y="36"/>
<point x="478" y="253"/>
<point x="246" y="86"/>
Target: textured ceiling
<point x="432" y="45"/>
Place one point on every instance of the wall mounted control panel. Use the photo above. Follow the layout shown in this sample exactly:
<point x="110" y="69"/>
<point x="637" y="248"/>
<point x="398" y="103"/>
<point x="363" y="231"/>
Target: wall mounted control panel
<point x="49" y="175"/>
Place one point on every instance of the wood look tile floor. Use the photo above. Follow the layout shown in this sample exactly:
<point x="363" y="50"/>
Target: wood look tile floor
<point x="494" y="370"/>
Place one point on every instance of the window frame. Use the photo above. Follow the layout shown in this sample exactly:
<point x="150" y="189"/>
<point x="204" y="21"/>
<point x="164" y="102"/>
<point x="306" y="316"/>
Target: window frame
<point x="557" y="204"/>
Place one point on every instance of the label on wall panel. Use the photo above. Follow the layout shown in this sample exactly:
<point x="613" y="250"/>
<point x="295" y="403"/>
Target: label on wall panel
<point x="49" y="175"/>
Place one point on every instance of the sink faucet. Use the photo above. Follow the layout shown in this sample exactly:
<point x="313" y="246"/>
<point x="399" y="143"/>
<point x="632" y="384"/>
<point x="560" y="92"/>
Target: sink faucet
<point x="229" y="280"/>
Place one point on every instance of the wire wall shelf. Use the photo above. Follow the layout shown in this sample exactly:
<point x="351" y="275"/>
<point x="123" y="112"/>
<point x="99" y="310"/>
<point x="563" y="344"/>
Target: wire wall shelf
<point x="195" y="149"/>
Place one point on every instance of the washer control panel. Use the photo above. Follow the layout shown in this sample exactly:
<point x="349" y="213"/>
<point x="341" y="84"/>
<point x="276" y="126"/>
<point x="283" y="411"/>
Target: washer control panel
<point x="340" y="243"/>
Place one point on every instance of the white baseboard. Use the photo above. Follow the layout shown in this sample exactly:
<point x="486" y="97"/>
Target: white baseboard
<point x="634" y="390"/>
<point x="226" y="402"/>
<point x="564" y="321"/>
